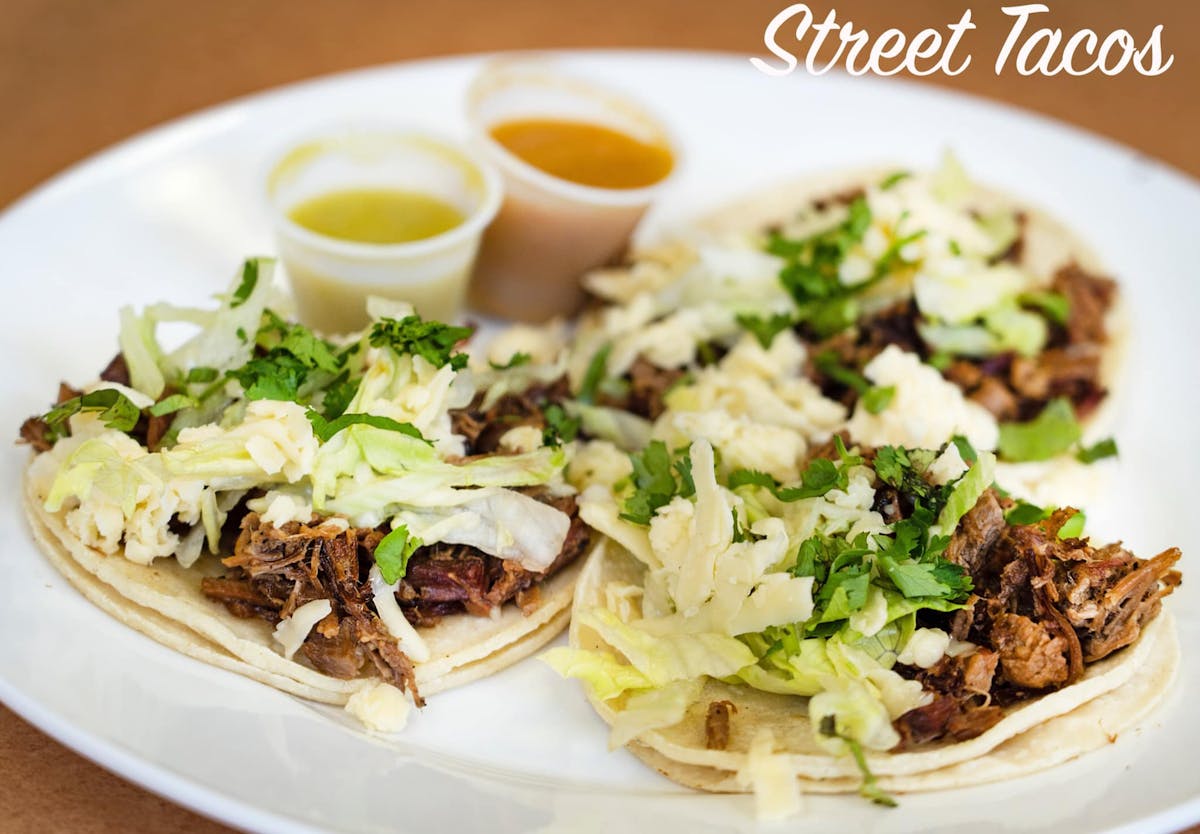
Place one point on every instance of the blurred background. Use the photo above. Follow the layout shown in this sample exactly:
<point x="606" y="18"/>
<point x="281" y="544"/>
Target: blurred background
<point x="78" y="75"/>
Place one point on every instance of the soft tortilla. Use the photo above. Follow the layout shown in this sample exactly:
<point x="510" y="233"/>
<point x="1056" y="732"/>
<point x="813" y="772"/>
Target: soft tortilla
<point x="1113" y="696"/>
<point x="164" y="601"/>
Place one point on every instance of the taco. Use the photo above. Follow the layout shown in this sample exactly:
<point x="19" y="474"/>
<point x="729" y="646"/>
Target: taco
<point x="363" y="521"/>
<point x="886" y="621"/>
<point x="919" y="286"/>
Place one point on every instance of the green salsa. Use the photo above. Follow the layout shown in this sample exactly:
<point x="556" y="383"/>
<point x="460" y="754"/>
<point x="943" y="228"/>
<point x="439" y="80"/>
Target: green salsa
<point x="376" y="215"/>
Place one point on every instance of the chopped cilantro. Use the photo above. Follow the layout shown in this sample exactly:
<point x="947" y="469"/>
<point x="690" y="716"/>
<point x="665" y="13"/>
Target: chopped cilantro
<point x="171" y="404"/>
<point x="905" y="469"/>
<point x="937" y="578"/>
<point x="432" y="340"/>
<point x="955" y="249"/>
<point x="657" y="478"/>
<point x="830" y="365"/>
<point x="249" y="282"/>
<point x="201" y="374"/>
<point x="765" y="329"/>
<point x="116" y="410"/>
<point x="940" y="360"/>
<point x="275" y="376"/>
<point x="514" y="361"/>
<point x="1051" y="433"/>
<point x="393" y="552"/>
<point x="1053" y="305"/>
<point x="560" y="427"/>
<point x="891" y="180"/>
<point x="810" y="272"/>
<point x="289" y="355"/>
<point x="1106" y="448"/>
<point x="878" y="398"/>
<point x="819" y="477"/>
<point x="326" y="429"/>
<point x="594" y="375"/>
<point x="338" y="395"/>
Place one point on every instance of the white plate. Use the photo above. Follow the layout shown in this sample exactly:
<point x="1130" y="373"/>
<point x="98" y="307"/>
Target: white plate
<point x="170" y="214"/>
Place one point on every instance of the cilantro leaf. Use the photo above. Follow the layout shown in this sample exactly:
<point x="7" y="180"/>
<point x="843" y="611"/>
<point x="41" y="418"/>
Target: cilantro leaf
<point x="656" y="478"/>
<point x="432" y="340"/>
<point x="938" y="578"/>
<point x="1053" y="305"/>
<point x="116" y="410"/>
<point x="830" y="365"/>
<point x="514" y="361"/>
<point x="1106" y="448"/>
<point x="1051" y="433"/>
<point x="171" y="404"/>
<point x="393" y="552"/>
<point x="248" y="283"/>
<point x="819" y="477"/>
<point x="765" y="329"/>
<point x="326" y="429"/>
<point x="276" y="376"/>
<point x="594" y="375"/>
<point x="338" y="395"/>
<point x="878" y="398"/>
<point x="201" y="374"/>
<point x="560" y="427"/>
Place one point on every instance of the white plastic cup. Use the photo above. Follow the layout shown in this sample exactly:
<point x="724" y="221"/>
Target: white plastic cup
<point x="331" y="278"/>
<point x="550" y="231"/>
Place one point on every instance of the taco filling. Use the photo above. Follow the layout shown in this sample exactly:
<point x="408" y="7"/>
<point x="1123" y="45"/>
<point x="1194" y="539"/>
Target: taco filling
<point x="353" y="495"/>
<point x="885" y="602"/>
<point x="1000" y="301"/>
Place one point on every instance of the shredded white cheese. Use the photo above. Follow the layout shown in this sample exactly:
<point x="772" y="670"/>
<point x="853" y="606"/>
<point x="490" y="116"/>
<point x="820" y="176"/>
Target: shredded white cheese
<point x="926" y="410"/>
<point x="769" y="776"/>
<point x="389" y="611"/>
<point x="292" y="632"/>
<point x="924" y="648"/>
<point x="380" y="707"/>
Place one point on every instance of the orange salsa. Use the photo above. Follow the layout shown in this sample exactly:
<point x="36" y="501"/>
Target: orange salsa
<point x="585" y="153"/>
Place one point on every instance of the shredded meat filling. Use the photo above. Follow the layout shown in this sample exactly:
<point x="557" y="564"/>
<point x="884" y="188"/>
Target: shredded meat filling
<point x="1011" y="387"/>
<point x="275" y="570"/>
<point x="1043" y="607"/>
<point x="716" y="724"/>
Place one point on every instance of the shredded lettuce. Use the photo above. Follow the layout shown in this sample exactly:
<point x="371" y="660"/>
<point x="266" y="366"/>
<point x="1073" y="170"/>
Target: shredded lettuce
<point x="966" y="494"/>
<point x="1051" y="433"/>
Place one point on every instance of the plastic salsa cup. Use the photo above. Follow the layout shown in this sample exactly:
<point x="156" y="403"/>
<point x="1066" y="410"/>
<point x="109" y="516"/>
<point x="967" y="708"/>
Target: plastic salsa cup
<point x="332" y="277"/>
<point x="551" y="230"/>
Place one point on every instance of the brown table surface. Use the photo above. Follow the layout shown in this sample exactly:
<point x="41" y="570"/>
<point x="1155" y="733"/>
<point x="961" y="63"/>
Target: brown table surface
<point x="77" y="75"/>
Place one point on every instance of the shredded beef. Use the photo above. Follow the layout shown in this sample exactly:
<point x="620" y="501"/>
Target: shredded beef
<point x="1042" y="608"/>
<point x="275" y="570"/>
<point x="716" y="724"/>
<point x="1011" y="387"/>
<point x="646" y="389"/>
<point x="117" y="371"/>
<point x="978" y="530"/>
<point x="483" y="428"/>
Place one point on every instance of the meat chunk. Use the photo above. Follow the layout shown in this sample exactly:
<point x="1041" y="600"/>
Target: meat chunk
<point x="1089" y="298"/>
<point x="716" y="724"/>
<point x="1031" y="656"/>
<point x="925" y="724"/>
<point x="976" y="533"/>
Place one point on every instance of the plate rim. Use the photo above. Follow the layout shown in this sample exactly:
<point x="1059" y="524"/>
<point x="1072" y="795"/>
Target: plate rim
<point x="224" y="808"/>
